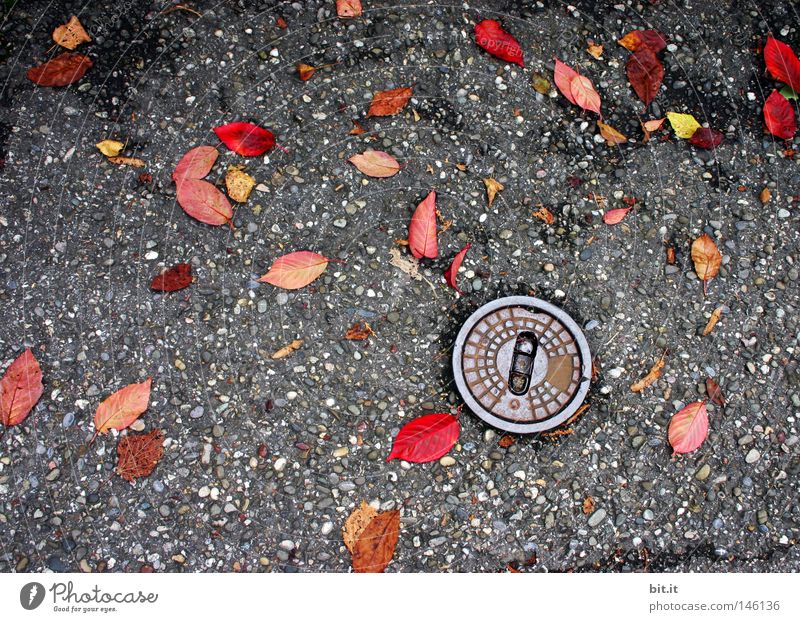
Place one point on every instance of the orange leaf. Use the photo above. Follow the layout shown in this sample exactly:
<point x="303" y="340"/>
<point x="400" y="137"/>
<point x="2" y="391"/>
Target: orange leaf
<point x="712" y="321"/>
<point x="545" y="215"/>
<point x="203" y="201"/>
<point x="375" y="546"/>
<point x="612" y="135"/>
<point x="375" y="163"/>
<point x="348" y="8"/>
<point x="62" y="70"/>
<point x="387" y="103"/>
<point x="287" y="349"/>
<point x="614" y="216"/>
<point x="422" y="229"/>
<point x="492" y="188"/>
<point x="295" y="270"/>
<point x="20" y="389"/>
<point x="71" y="34"/>
<point x="584" y="94"/>
<point x="359" y="332"/>
<point x="304" y="72"/>
<point x="706" y="257"/>
<point x="653" y="375"/>
<point x="122" y="408"/>
<point x="137" y="455"/>
<point x="356" y="523"/>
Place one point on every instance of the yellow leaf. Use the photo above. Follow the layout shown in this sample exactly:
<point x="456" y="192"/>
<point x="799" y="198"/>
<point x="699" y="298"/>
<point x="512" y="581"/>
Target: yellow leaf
<point x="684" y="124"/>
<point x="71" y="34"/>
<point x="612" y="136"/>
<point x="239" y="184"/>
<point x="110" y="148"/>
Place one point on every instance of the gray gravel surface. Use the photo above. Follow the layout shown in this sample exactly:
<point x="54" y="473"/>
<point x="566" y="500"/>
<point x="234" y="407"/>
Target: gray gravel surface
<point x="265" y="459"/>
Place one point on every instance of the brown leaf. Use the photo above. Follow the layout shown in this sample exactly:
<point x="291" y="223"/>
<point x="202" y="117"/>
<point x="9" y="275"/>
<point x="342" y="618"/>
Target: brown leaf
<point x="71" y="34"/>
<point x="506" y="441"/>
<point x="374" y="548"/>
<point x="408" y="265"/>
<point x="62" y="70"/>
<point x="540" y="83"/>
<point x="287" y="350"/>
<point x="357" y="129"/>
<point x="653" y="375"/>
<point x="127" y="161"/>
<point x="137" y="455"/>
<point x="612" y="136"/>
<point x="595" y="50"/>
<point x="588" y="505"/>
<point x="387" y="103"/>
<point x="706" y="257"/>
<point x="715" y="392"/>
<point x="492" y="188"/>
<point x="356" y="523"/>
<point x="545" y="215"/>
<point x="304" y="72"/>
<point x="765" y="196"/>
<point x="712" y="321"/>
<point x="359" y="332"/>
<point x="645" y="73"/>
<point x="239" y="184"/>
<point x="648" y="127"/>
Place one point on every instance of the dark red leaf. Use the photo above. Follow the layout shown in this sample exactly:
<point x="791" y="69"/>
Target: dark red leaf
<point x="645" y="73"/>
<point x="715" y="392"/>
<point x="246" y="139"/>
<point x="138" y="454"/>
<point x="426" y="438"/>
<point x="489" y="35"/>
<point x="177" y="277"/>
<point x="62" y="70"/>
<point x="782" y="63"/>
<point x="706" y="138"/>
<point x="451" y="274"/>
<point x="779" y="116"/>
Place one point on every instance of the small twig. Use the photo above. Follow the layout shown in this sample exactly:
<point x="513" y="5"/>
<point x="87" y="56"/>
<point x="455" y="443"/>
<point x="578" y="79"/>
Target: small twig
<point x="181" y="7"/>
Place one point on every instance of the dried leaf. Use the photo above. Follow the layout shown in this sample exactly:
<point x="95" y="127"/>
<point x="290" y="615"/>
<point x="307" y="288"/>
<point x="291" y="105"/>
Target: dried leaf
<point x="653" y="375"/>
<point x="287" y="349"/>
<point x="715" y="392"/>
<point x="540" y="83"/>
<point x="295" y="270"/>
<point x="246" y="139"/>
<point x="506" y="441"/>
<point x="409" y="266"/>
<point x="356" y="523"/>
<point x="71" y="34"/>
<point x="375" y="163"/>
<point x="203" y="201"/>
<point x="110" y="148"/>
<point x="636" y="39"/>
<point x="782" y="63"/>
<point x="492" y="188"/>
<point x="651" y="126"/>
<point x="177" y="277"/>
<point x="545" y="215"/>
<point x="706" y="257"/>
<point x="426" y="438"/>
<point x="706" y="138"/>
<point x="490" y="36"/>
<point x="645" y="73"/>
<point x="563" y="77"/>
<point x="239" y="184"/>
<point x="304" y="72"/>
<point x="195" y="164"/>
<point x="348" y="8"/>
<point x="588" y="505"/>
<point x="684" y="124"/>
<point x="779" y="116"/>
<point x="127" y="161"/>
<point x="615" y="216"/>
<point x="359" y="332"/>
<point x="122" y="408"/>
<point x="612" y="136"/>
<point x="62" y="70"/>
<point x="357" y="129"/>
<point x="584" y="94"/>
<point x="595" y="50"/>
<point x="688" y="428"/>
<point x="20" y="389"/>
<point x="765" y="196"/>
<point x="138" y="455"/>
<point x="451" y="274"/>
<point x="716" y="314"/>
<point x="374" y="548"/>
<point x="422" y="239"/>
<point x="388" y="103"/>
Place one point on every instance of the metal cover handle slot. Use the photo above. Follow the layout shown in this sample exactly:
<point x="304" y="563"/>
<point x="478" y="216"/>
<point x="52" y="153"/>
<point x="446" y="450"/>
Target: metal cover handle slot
<point x="519" y="376"/>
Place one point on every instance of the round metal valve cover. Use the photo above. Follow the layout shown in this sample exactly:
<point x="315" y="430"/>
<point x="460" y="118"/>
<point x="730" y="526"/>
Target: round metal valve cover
<point x="522" y="364"/>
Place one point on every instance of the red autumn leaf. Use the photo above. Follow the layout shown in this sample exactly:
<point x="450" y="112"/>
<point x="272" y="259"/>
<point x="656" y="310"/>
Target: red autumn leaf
<point x="614" y="216"/>
<point x="177" y="277"/>
<point x="62" y="70"/>
<point x="489" y="35"/>
<point x="374" y="548"/>
<point x="388" y="103"/>
<point x="20" y="389"/>
<point x="715" y="393"/>
<point x="246" y="139"/>
<point x="779" y="116"/>
<point x="422" y="229"/>
<point x="295" y="270"/>
<point x="195" y="164"/>
<point x="348" y="8"/>
<point x="563" y="77"/>
<point x="688" y="428"/>
<point x="122" y="408"/>
<point x="637" y="39"/>
<point x="204" y="201"/>
<point x="645" y="73"/>
<point x="451" y="274"/>
<point x="706" y="138"/>
<point x="137" y="455"/>
<point x="782" y="63"/>
<point x="584" y="94"/>
<point x="426" y="438"/>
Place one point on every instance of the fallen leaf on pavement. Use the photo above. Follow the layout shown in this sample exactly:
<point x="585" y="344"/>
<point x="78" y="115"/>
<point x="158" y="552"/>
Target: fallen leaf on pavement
<point x="356" y="523"/>
<point x="451" y="274"/>
<point x="20" y="389"/>
<point x="540" y="83"/>
<point x="359" y="332"/>
<point x="122" y="408"/>
<point x="204" y="201"/>
<point x="492" y="188"/>
<point x="357" y="130"/>
<point x="684" y="124"/>
<point x="408" y="265"/>
<point x="295" y="270"/>
<point x="588" y="505"/>
<point x="348" y="8"/>
<point x="612" y="136"/>
<point x="110" y="148"/>
<point x="653" y="375"/>
<point x="584" y="94"/>
<point x="374" y="548"/>
<point x="563" y="76"/>
<point x="388" y="103"/>
<point x="175" y="278"/>
<point x="648" y="127"/>
<point x="491" y="36"/>
<point x="127" y="161"/>
<point x="615" y="216"/>
<point x="779" y="116"/>
<point x="138" y="455"/>
<point x="595" y="50"/>
<point x="636" y="39"/>
<point x="239" y="184"/>
<point x="246" y="139"/>
<point x="645" y="73"/>
<point x="765" y="196"/>
<point x="712" y="321"/>
<point x="426" y="438"/>
<point x="506" y="441"/>
<point x="707" y="259"/>
<point x="688" y="428"/>
<point x="706" y="138"/>
<point x="715" y="392"/>
<point x="71" y="34"/>
<point x="422" y="241"/>
<point x="375" y="163"/>
<point x="195" y="164"/>
<point x="287" y="349"/>
<point x="64" y="69"/>
<point x="304" y="72"/>
<point x="545" y="215"/>
<point x="782" y="63"/>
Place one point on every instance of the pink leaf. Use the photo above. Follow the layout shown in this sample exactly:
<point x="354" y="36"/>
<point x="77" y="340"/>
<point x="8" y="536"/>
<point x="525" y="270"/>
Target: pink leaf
<point x="426" y="438"/>
<point x="195" y="164"/>
<point x="348" y="8"/>
<point x="490" y="36"/>
<point x="375" y="163"/>
<point x="563" y="77"/>
<point x="614" y="216"/>
<point x="688" y="428"/>
<point x="584" y="94"/>
<point x="203" y="201"/>
<point x="246" y="139"/>
<point x="451" y="273"/>
<point x="295" y="270"/>
<point x="20" y="389"/>
<point x="422" y="229"/>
